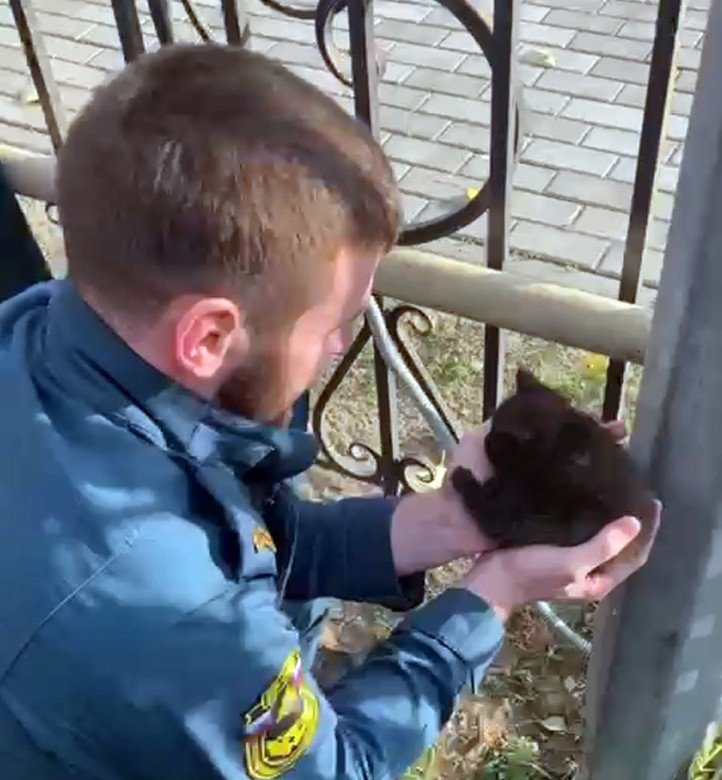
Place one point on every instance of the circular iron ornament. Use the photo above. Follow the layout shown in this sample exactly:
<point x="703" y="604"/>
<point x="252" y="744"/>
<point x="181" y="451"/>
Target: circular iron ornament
<point x="305" y="11"/>
<point x="470" y="19"/>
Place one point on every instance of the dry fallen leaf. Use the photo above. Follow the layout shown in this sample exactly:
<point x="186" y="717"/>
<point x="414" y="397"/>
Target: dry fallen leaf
<point x="542" y="58"/>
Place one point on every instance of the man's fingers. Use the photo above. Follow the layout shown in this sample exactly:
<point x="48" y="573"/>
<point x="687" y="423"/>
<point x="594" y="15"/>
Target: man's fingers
<point x="617" y="428"/>
<point x="607" y="544"/>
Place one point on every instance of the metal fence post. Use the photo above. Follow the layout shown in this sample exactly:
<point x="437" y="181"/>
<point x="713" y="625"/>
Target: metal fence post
<point x="656" y="674"/>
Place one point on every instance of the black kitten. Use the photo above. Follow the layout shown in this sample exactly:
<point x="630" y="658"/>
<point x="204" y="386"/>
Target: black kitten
<point x="559" y="476"/>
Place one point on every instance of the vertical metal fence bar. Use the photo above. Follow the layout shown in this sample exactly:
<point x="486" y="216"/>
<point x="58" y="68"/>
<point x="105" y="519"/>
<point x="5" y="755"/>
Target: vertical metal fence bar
<point x="235" y="21"/>
<point x="365" y="89"/>
<point x="506" y="14"/>
<point x="160" y="12"/>
<point x="39" y="65"/>
<point x="655" y="112"/>
<point x="129" y="32"/>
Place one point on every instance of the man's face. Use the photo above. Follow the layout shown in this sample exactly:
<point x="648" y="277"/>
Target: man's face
<point x="282" y="367"/>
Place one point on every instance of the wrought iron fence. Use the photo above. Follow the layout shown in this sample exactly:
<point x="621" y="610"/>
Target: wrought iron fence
<point x="359" y="68"/>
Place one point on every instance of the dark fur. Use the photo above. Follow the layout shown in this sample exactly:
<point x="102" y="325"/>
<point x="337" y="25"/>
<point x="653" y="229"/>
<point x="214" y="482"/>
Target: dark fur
<point x="559" y="476"/>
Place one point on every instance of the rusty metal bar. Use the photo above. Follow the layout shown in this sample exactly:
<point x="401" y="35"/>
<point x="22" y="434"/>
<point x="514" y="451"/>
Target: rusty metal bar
<point x="39" y="65"/>
<point x="655" y="112"/>
<point x="160" y="12"/>
<point x="129" y="32"/>
<point x="506" y="14"/>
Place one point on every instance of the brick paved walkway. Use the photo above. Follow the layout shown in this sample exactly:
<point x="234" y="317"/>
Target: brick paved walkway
<point x="584" y="64"/>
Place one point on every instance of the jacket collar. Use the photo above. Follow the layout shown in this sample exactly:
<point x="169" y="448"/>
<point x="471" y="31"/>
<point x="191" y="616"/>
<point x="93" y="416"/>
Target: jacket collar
<point x="88" y="357"/>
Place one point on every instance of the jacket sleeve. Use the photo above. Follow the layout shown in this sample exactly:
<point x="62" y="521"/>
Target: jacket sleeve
<point x="218" y="696"/>
<point x="341" y="549"/>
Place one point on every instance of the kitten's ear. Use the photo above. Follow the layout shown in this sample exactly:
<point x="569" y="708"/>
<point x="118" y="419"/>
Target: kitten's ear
<point x="526" y="381"/>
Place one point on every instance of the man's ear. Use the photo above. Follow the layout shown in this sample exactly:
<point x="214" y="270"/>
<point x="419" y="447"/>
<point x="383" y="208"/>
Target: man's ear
<point x="209" y="334"/>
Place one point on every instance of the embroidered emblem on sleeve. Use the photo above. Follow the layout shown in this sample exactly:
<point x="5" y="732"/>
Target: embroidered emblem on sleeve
<point x="262" y="540"/>
<point x="279" y="728"/>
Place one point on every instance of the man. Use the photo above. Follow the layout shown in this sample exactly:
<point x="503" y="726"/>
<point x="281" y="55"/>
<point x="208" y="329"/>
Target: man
<point x="223" y="221"/>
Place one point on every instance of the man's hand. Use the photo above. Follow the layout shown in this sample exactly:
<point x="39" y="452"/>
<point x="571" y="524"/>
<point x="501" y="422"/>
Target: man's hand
<point x="508" y="578"/>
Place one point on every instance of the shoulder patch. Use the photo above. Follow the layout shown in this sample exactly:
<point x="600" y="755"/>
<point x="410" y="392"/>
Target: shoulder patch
<point x="280" y="727"/>
<point x="262" y="540"/>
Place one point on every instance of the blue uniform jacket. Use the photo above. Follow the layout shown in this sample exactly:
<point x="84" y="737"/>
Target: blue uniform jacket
<point x="147" y="539"/>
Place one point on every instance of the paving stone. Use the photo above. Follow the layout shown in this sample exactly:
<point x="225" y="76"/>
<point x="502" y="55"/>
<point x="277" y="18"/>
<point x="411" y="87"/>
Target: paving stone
<point x="609" y="140"/>
<point x="532" y="177"/>
<point x="410" y="32"/>
<point x="15" y="113"/>
<point x="567" y="157"/>
<point x="608" y="115"/>
<point x="690" y="38"/>
<point x="574" y="61"/>
<point x="411" y="123"/>
<point x="688" y="59"/>
<point x="108" y="60"/>
<point x="420" y="152"/>
<point x="472" y="137"/>
<point x="657" y="234"/>
<point x="400" y="11"/>
<point x="645" y="12"/>
<point x="625" y="170"/>
<point x="695" y="20"/>
<point x="603" y="222"/>
<point x="652" y="262"/>
<point x="578" y="20"/>
<point x="290" y="52"/>
<point x="590" y="6"/>
<point x="73" y="98"/>
<point x="101" y="35"/>
<point x="458" y="108"/>
<point x="13" y="83"/>
<point x="23" y="138"/>
<point x="438" y="81"/>
<point x="592" y="190"/>
<point x="280" y="29"/>
<point x="580" y="85"/>
<point x="478" y="229"/>
<point x="436" y="185"/>
<point x="622" y="70"/>
<point x="555" y="128"/>
<point x="412" y="206"/>
<point x="64" y="26"/>
<point x="400" y="169"/>
<point x="668" y="177"/>
<point x="442" y="59"/>
<point x="609" y="46"/>
<point x="677" y="127"/>
<point x="544" y="101"/>
<point x="563" y="245"/>
<point x="663" y="205"/>
<point x="686" y="81"/>
<point x="476" y="65"/>
<point x="564" y="275"/>
<point x="70" y="51"/>
<point x="477" y="167"/>
<point x="639" y="31"/>
<point x="540" y="208"/>
<point x="632" y="95"/>
<point x="321" y="79"/>
<point x="545" y="34"/>
<point x="460" y="40"/>
<point x="401" y="96"/>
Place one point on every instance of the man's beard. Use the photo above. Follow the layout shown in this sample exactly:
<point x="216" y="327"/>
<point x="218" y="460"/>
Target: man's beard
<point x="257" y="390"/>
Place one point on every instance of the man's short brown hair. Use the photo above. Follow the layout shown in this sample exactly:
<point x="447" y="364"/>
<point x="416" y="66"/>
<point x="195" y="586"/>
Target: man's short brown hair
<point x="210" y="169"/>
